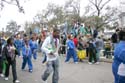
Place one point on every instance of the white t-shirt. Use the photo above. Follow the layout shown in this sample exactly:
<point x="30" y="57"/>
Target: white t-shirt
<point x="48" y="48"/>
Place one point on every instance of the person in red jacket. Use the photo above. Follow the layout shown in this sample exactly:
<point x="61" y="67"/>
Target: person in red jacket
<point x="75" y="40"/>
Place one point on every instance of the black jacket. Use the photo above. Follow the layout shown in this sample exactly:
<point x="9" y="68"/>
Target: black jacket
<point x="114" y="38"/>
<point x="80" y="46"/>
<point x="6" y="54"/>
<point x="92" y="48"/>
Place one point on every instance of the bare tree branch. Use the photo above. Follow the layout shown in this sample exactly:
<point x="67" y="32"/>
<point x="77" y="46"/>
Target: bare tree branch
<point x="96" y="2"/>
<point x="11" y="2"/>
<point x="20" y="7"/>
<point x="104" y="4"/>
<point x="107" y="22"/>
<point x="1" y="5"/>
<point x="96" y="5"/>
<point x="92" y="2"/>
<point x="99" y="3"/>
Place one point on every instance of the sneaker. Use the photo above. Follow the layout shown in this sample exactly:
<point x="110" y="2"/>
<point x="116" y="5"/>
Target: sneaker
<point x="30" y="71"/>
<point x="17" y="81"/>
<point x="90" y="63"/>
<point x="97" y="63"/>
<point x="44" y="81"/>
<point x="44" y="63"/>
<point x="1" y="75"/>
<point x="66" y="62"/>
<point x="76" y="62"/>
<point x="6" y="79"/>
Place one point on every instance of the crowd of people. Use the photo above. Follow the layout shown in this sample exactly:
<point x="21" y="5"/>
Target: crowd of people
<point x="16" y="45"/>
<point x="26" y="47"/>
<point x="81" y="42"/>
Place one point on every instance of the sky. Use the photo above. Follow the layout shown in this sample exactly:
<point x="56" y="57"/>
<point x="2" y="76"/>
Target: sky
<point x="32" y="7"/>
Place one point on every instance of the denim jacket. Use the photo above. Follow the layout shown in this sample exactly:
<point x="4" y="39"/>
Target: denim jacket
<point x="25" y="53"/>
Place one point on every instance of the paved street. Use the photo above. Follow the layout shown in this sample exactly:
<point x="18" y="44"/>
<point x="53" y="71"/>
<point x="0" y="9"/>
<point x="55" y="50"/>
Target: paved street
<point x="69" y="73"/>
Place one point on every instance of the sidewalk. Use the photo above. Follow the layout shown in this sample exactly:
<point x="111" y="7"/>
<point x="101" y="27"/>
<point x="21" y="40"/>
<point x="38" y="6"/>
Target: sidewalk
<point x="103" y="59"/>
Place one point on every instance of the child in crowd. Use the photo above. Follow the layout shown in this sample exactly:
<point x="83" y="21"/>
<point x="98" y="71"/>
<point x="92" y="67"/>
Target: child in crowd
<point x="71" y="50"/>
<point x="75" y="40"/>
<point x="99" y="46"/>
<point x="34" y="45"/>
<point x="92" y="51"/>
<point x="81" y="49"/>
<point x="107" y="47"/>
<point x="18" y="44"/>
<point x="26" y="52"/>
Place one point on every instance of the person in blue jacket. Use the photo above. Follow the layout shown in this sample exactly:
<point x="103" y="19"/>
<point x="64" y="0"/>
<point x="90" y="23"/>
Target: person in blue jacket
<point x="71" y="50"/>
<point x="34" y="45"/>
<point x="118" y="66"/>
<point x="18" y="44"/>
<point x="4" y="42"/>
<point x="27" y="54"/>
<point x="23" y="39"/>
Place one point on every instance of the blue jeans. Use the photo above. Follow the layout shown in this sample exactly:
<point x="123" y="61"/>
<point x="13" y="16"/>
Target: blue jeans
<point x="25" y="61"/>
<point x="71" y="52"/>
<point x="34" y="52"/>
<point x="19" y="49"/>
